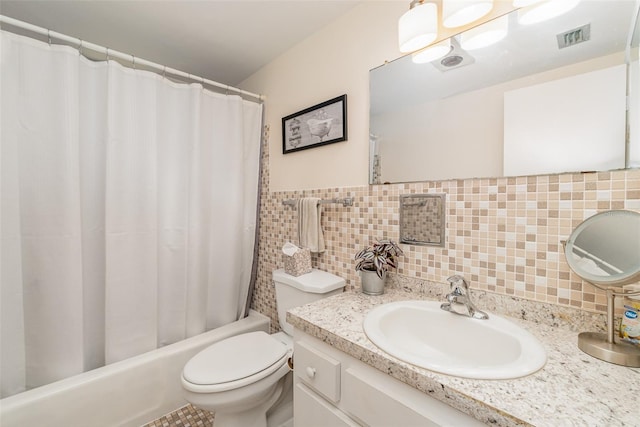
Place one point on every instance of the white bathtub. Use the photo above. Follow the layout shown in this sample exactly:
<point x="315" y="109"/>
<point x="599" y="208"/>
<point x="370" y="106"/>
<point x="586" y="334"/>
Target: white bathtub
<point x="129" y="393"/>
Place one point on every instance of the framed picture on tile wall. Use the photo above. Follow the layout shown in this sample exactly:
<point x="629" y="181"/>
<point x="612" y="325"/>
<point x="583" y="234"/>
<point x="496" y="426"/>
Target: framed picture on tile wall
<point x="312" y="127"/>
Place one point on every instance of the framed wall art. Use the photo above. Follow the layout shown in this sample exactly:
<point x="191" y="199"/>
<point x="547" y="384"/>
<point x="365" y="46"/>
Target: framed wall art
<point x="321" y="124"/>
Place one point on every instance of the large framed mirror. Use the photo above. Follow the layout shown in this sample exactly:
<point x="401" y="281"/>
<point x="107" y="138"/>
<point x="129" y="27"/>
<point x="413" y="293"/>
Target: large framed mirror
<point x="549" y="98"/>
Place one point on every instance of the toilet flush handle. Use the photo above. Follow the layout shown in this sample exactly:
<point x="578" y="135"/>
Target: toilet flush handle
<point x="311" y="372"/>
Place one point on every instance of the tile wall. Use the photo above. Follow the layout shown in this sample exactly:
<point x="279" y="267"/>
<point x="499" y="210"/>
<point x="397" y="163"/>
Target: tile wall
<point x="503" y="234"/>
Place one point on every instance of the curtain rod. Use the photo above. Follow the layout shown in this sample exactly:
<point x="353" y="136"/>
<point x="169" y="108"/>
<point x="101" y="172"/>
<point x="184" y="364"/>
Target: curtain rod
<point x="81" y="45"/>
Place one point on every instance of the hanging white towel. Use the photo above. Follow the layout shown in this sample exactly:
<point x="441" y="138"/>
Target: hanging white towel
<point x="309" y="228"/>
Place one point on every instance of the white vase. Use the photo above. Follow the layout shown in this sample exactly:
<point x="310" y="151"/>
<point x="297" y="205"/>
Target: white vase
<point x="371" y="283"/>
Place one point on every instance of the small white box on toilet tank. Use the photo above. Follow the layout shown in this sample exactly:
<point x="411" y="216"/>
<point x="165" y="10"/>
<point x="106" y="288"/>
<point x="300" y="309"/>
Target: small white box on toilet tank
<point x="292" y="291"/>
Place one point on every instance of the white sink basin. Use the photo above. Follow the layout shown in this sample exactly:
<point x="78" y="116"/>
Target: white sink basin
<point x="422" y="334"/>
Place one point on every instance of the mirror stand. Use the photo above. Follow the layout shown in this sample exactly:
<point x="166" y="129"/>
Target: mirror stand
<point x="604" y="346"/>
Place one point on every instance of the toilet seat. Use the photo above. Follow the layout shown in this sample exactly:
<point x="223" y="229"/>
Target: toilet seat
<point x="239" y="361"/>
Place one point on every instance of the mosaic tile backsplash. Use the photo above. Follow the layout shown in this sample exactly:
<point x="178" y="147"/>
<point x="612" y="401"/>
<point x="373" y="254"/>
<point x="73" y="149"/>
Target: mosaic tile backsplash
<point x="502" y="234"/>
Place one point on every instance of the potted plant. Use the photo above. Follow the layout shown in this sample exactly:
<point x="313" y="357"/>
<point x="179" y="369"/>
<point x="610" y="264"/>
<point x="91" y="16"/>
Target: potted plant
<point x="373" y="264"/>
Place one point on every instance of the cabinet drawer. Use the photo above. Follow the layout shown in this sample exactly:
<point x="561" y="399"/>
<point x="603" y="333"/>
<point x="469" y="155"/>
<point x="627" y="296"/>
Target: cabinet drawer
<point x="317" y="370"/>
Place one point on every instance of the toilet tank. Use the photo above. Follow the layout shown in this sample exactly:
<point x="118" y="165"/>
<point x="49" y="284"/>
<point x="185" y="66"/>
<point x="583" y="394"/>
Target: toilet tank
<point x="292" y="291"/>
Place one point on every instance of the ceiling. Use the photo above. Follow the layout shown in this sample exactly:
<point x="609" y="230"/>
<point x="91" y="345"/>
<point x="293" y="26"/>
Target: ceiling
<point x="222" y="40"/>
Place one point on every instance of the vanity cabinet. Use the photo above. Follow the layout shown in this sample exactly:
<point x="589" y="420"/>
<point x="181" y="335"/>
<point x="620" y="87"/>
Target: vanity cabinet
<point x="332" y="388"/>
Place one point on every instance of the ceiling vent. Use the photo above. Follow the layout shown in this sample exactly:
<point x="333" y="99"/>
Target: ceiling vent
<point x="456" y="58"/>
<point x="574" y="37"/>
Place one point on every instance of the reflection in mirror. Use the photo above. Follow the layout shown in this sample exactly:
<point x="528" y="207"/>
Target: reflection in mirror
<point x="422" y="219"/>
<point x="605" y="249"/>
<point x="548" y="98"/>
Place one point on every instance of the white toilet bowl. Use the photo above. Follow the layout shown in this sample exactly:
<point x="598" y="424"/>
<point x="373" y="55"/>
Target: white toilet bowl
<point x="250" y="378"/>
<point x="246" y="379"/>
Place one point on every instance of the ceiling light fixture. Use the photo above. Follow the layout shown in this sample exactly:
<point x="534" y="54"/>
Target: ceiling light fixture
<point x="456" y="13"/>
<point x="534" y="11"/>
<point x="432" y="52"/>
<point x="486" y="34"/>
<point x="418" y="27"/>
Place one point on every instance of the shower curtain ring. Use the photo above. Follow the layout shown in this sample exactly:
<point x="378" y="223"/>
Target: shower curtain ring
<point x="133" y="59"/>
<point x="49" y="37"/>
<point x="107" y="54"/>
<point x="80" y="49"/>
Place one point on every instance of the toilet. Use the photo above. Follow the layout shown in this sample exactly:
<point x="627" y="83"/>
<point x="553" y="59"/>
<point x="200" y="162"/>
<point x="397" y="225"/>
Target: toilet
<point x="246" y="379"/>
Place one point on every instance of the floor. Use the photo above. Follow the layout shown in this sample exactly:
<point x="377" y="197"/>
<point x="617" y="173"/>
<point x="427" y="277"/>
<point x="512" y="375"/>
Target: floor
<point x="187" y="416"/>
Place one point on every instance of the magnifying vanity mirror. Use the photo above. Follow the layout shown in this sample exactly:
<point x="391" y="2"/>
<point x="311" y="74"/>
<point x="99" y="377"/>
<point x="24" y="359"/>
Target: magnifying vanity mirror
<point x="604" y="250"/>
<point x="548" y="98"/>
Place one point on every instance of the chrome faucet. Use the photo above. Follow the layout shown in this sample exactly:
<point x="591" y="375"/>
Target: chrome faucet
<point x="459" y="301"/>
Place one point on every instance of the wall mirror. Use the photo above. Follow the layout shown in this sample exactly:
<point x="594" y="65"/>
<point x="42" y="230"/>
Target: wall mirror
<point x="422" y="219"/>
<point x="604" y="250"/>
<point x="548" y="98"/>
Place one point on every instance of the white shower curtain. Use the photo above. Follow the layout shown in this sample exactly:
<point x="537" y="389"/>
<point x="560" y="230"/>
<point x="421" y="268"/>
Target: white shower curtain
<point x="128" y="211"/>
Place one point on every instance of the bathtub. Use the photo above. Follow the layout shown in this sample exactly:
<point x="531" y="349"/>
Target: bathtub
<point x="129" y="393"/>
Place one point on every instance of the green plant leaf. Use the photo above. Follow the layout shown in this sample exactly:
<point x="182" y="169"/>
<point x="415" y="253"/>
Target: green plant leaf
<point x="380" y="256"/>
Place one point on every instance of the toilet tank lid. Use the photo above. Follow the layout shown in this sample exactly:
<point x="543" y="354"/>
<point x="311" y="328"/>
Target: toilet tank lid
<point x="317" y="281"/>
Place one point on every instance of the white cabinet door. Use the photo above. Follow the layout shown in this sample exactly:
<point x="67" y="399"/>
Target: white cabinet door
<point x="310" y="410"/>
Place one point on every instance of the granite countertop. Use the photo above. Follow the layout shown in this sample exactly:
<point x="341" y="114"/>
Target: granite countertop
<point x="572" y="389"/>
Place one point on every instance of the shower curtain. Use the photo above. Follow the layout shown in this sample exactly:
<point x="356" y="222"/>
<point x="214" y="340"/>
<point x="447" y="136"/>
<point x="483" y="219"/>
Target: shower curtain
<point x="128" y="211"/>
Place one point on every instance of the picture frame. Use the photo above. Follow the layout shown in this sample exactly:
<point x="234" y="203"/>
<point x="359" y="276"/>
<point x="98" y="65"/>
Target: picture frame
<point x="322" y="124"/>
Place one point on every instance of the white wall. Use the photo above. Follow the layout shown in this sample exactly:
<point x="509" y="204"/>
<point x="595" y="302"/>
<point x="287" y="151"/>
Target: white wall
<point x="634" y="114"/>
<point x="465" y="129"/>
<point x="331" y="62"/>
<point x="581" y="133"/>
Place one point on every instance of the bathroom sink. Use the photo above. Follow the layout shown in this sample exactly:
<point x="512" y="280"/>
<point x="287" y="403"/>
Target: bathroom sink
<point x="422" y="334"/>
